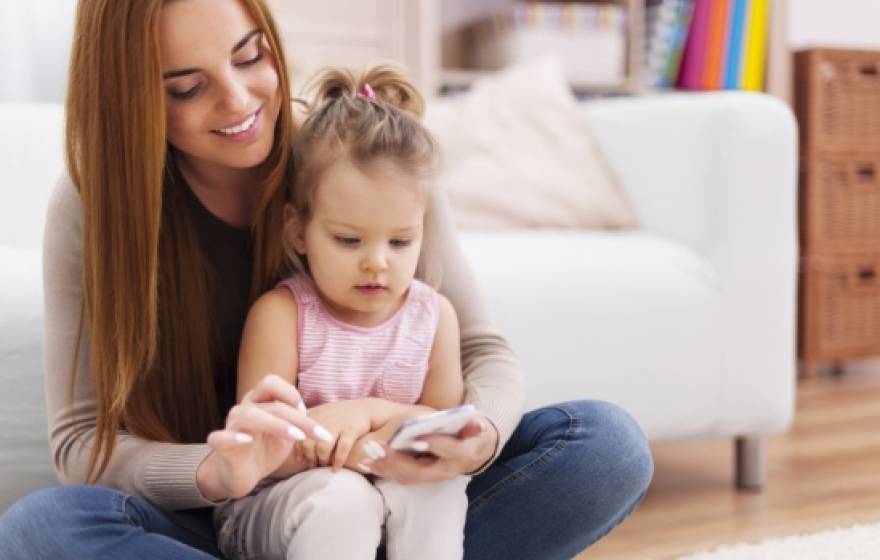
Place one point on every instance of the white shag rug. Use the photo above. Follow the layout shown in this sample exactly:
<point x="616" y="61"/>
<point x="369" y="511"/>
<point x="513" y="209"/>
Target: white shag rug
<point x="859" y="542"/>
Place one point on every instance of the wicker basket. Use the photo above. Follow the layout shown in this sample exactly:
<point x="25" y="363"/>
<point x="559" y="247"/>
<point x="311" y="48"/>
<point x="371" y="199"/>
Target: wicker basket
<point x="838" y="98"/>
<point x="840" y="307"/>
<point x="840" y="202"/>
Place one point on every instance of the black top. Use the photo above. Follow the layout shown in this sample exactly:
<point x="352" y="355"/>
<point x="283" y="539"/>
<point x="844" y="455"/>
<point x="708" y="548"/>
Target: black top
<point x="228" y="252"/>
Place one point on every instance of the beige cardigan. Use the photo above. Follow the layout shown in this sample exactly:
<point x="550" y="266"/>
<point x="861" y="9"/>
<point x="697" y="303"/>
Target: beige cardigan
<point x="165" y="474"/>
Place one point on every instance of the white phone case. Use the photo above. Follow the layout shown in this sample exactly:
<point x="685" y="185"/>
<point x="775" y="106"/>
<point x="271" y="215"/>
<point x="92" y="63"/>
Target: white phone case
<point x="449" y="422"/>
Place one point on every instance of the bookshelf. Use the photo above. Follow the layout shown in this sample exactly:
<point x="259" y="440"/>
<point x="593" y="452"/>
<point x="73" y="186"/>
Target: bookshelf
<point x="778" y="62"/>
<point x="455" y="42"/>
<point x="416" y="34"/>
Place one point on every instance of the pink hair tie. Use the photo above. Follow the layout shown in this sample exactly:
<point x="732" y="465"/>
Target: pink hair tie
<point x="367" y="91"/>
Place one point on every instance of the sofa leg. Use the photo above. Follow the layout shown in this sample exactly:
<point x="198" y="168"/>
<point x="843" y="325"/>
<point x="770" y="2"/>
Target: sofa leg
<point x="750" y="464"/>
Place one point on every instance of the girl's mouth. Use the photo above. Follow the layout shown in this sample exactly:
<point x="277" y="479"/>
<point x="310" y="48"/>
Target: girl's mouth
<point x="371" y="289"/>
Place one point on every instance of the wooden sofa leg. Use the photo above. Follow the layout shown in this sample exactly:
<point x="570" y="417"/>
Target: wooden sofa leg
<point x="750" y="463"/>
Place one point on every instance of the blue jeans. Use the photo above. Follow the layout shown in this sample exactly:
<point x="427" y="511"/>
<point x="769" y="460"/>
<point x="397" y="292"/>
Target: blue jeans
<point x="568" y="476"/>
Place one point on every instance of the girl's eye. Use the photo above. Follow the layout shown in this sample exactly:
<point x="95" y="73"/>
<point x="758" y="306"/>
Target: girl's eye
<point x="347" y="241"/>
<point x="188" y="94"/>
<point x="401" y="242"/>
<point x="251" y="62"/>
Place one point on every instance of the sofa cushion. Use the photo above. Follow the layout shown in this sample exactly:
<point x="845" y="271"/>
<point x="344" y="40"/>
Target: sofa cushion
<point x="636" y="314"/>
<point x="25" y="460"/>
<point x="517" y="152"/>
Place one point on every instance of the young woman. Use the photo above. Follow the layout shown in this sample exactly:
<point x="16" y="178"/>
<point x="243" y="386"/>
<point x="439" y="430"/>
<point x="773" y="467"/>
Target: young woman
<point x="179" y="129"/>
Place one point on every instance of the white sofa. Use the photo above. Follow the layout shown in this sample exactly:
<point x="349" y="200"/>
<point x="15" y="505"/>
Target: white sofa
<point x="688" y="323"/>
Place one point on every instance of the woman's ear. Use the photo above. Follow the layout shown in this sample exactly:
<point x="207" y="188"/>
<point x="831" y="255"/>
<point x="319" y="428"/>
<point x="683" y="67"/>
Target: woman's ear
<point x="294" y="229"/>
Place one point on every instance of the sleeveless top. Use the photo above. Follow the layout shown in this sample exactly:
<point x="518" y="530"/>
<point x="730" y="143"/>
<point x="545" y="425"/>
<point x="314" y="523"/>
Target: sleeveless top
<point x="339" y="361"/>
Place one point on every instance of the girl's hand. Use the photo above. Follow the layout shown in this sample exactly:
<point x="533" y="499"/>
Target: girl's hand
<point x="347" y="421"/>
<point x="259" y="434"/>
<point x="449" y="456"/>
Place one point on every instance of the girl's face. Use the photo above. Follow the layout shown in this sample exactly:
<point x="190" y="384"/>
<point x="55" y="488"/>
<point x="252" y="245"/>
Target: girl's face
<point x="364" y="239"/>
<point x="221" y="84"/>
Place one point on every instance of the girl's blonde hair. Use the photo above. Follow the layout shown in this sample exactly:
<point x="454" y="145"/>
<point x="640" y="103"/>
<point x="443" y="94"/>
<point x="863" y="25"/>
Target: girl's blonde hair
<point x="358" y="118"/>
<point x="142" y="266"/>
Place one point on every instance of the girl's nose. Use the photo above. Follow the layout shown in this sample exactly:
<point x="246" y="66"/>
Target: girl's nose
<point x="374" y="262"/>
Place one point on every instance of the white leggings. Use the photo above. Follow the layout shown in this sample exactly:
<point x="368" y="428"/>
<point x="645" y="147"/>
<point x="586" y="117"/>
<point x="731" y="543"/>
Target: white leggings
<point x="320" y="514"/>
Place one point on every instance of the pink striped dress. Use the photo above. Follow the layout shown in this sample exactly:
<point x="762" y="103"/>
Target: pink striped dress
<point x="338" y="361"/>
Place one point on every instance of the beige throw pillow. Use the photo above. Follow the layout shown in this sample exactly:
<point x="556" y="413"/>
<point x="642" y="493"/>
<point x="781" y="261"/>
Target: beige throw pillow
<point x="517" y="152"/>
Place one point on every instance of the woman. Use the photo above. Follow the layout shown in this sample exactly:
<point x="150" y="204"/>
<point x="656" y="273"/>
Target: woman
<point x="178" y="134"/>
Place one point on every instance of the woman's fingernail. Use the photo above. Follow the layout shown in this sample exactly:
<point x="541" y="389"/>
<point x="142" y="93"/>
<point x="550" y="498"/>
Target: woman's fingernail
<point x="420" y="446"/>
<point x="380" y="453"/>
<point x="243" y="438"/>
<point x="302" y="407"/>
<point x="322" y="434"/>
<point x="368" y="449"/>
<point x="364" y="468"/>
<point x="296" y="433"/>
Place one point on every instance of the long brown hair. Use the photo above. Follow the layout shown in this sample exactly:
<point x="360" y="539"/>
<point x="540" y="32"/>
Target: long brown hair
<point x="142" y="267"/>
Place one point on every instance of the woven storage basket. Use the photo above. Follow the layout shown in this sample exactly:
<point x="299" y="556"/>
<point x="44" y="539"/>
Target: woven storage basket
<point x="840" y="307"/>
<point x="840" y="202"/>
<point x="838" y="98"/>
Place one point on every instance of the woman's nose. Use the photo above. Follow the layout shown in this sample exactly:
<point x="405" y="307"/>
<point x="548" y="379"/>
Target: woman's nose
<point x="234" y="96"/>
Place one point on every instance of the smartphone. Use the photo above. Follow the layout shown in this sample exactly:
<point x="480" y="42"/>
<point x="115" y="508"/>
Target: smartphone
<point x="448" y="422"/>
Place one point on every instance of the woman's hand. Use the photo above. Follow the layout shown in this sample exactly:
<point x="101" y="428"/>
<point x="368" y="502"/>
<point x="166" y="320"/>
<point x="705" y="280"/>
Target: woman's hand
<point x="449" y="456"/>
<point x="259" y="435"/>
<point x="346" y="421"/>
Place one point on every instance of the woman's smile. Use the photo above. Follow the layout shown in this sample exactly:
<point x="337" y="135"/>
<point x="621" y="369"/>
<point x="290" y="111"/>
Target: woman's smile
<point x="243" y="130"/>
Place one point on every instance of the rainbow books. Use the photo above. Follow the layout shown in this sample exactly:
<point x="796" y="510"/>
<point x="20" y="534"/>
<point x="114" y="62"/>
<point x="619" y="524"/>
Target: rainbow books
<point x="668" y="22"/>
<point x="726" y="45"/>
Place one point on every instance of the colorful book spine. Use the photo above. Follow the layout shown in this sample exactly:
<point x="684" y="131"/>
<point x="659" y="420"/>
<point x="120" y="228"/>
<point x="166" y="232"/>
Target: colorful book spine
<point x="667" y="24"/>
<point x="717" y="31"/>
<point x="735" y="49"/>
<point x="756" y="48"/>
<point x="691" y="74"/>
<point x="682" y="22"/>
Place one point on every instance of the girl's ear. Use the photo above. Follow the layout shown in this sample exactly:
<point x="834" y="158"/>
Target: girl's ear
<point x="294" y="229"/>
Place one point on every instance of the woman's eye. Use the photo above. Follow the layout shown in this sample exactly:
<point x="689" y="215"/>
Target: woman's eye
<point x="401" y="242"/>
<point x="347" y="241"/>
<point x="188" y="94"/>
<point x="251" y="62"/>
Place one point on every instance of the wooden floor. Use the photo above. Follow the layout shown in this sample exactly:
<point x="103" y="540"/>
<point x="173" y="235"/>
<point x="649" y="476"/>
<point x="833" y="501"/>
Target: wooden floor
<point x="823" y="473"/>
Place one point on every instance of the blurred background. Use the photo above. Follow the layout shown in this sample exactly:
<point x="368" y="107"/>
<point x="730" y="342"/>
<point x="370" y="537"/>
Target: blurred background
<point x="445" y="44"/>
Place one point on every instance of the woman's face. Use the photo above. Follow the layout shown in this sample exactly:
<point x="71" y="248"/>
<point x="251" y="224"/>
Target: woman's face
<point x="221" y="84"/>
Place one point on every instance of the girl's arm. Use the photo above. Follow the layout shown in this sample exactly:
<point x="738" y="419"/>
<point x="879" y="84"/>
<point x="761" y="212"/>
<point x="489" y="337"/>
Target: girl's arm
<point x="444" y="386"/>
<point x="269" y="345"/>
<point x="268" y="340"/>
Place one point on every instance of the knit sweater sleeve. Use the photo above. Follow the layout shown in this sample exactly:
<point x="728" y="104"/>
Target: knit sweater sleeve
<point x="161" y="473"/>
<point x="494" y="382"/>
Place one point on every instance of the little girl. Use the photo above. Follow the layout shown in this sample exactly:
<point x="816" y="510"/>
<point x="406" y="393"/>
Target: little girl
<point x="366" y="343"/>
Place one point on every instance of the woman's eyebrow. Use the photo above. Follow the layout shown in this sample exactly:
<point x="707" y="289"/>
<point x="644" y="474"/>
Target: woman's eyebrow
<point x="238" y="46"/>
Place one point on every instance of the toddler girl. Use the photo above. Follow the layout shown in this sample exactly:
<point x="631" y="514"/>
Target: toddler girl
<point x="367" y="344"/>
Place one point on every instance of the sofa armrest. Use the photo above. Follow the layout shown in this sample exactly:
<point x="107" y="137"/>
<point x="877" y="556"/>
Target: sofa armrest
<point x="718" y="172"/>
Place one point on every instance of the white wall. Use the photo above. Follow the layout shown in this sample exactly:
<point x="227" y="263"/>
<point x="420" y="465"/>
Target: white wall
<point x="834" y="23"/>
<point x="35" y="38"/>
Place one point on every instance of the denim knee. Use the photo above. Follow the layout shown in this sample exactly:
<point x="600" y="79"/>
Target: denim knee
<point x="607" y="430"/>
<point x="55" y="505"/>
<point x="64" y="509"/>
